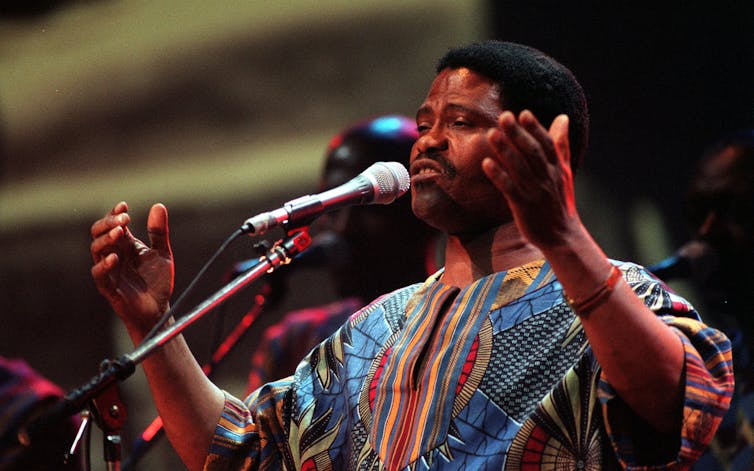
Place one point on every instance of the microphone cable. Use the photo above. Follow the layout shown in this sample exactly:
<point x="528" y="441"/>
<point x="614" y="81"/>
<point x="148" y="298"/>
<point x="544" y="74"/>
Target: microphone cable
<point x="192" y="285"/>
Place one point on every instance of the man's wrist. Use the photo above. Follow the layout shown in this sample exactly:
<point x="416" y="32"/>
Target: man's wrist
<point x="584" y="306"/>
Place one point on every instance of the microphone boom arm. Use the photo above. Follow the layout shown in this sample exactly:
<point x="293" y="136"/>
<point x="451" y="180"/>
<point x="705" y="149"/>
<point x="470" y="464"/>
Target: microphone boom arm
<point x="281" y="253"/>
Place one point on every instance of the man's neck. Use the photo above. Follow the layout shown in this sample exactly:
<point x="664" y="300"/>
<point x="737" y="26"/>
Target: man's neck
<point x="469" y="258"/>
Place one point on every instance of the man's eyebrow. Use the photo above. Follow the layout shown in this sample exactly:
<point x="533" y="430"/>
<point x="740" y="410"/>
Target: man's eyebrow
<point x="423" y="110"/>
<point x="461" y="108"/>
<point x="452" y="107"/>
<point x="472" y="112"/>
<point x="457" y="108"/>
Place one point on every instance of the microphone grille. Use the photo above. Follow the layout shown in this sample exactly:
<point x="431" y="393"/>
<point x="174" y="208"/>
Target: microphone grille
<point x="390" y="180"/>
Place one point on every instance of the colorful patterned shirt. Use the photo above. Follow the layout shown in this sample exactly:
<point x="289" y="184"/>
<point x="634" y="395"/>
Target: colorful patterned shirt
<point x="24" y="394"/>
<point x="287" y="341"/>
<point x="497" y="375"/>
<point x="732" y="447"/>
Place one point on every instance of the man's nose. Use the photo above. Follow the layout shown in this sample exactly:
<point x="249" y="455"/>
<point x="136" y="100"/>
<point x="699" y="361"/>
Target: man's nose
<point x="432" y="139"/>
<point x="707" y="227"/>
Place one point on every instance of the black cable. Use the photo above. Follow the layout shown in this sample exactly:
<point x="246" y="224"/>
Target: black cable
<point x="191" y="286"/>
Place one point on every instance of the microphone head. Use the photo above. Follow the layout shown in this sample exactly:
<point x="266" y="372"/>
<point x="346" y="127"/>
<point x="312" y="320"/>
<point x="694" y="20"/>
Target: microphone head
<point x="389" y="180"/>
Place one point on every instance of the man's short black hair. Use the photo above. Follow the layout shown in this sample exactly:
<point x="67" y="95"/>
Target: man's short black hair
<point x="528" y="79"/>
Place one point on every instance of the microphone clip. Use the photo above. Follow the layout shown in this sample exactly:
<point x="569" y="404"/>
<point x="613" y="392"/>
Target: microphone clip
<point x="297" y="213"/>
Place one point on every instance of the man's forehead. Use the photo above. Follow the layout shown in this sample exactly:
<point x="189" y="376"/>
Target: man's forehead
<point x="461" y="75"/>
<point x="461" y="90"/>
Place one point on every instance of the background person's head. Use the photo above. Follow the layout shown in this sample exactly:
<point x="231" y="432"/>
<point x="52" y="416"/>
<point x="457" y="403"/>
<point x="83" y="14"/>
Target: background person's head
<point x="720" y="213"/>
<point x="376" y="248"/>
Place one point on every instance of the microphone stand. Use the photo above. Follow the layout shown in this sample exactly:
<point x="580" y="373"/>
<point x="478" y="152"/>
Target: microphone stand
<point x="110" y="415"/>
<point x="104" y="384"/>
<point x="154" y="430"/>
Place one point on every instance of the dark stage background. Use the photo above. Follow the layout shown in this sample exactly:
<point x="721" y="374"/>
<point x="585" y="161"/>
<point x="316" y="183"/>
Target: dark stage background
<point x="663" y="80"/>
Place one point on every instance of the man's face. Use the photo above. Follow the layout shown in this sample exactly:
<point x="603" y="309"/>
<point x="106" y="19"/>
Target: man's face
<point x="720" y="203"/>
<point x="448" y="187"/>
<point x="719" y="210"/>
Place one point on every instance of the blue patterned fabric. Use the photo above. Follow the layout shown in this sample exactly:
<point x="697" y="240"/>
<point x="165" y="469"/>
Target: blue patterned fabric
<point x="501" y="377"/>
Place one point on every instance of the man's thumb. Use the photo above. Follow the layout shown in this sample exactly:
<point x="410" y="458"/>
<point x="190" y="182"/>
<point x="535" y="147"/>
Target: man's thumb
<point x="157" y="226"/>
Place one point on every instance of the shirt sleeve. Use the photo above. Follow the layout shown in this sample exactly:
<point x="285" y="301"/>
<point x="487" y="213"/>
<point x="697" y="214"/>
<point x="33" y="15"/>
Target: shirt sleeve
<point x="294" y="423"/>
<point x="708" y="388"/>
<point x="286" y="424"/>
<point x="250" y="433"/>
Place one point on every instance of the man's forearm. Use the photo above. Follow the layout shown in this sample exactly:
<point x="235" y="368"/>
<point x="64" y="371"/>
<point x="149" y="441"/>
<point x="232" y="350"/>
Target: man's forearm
<point x="640" y="356"/>
<point x="188" y="402"/>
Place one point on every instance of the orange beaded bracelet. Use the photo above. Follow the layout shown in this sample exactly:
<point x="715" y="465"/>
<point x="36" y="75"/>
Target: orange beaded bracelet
<point x="584" y="307"/>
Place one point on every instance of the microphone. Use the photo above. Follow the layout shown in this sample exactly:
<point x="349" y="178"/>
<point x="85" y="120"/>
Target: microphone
<point x="381" y="183"/>
<point x="671" y="268"/>
<point x="695" y="259"/>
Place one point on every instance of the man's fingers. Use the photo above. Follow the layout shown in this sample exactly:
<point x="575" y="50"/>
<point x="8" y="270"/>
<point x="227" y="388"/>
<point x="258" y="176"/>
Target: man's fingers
<point x="496" y="174"/>
<point x="522" y="132"/>
<point x="544" y="141"/>
<point x="106" y="244"/>
<point x="101" y="273"/>
<point x="559" y="133"/>
<point x="157" y="226"/>
<point x="514" y="147"/>
<point x="120" y="207"/>
<point x="111" y="220"/>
